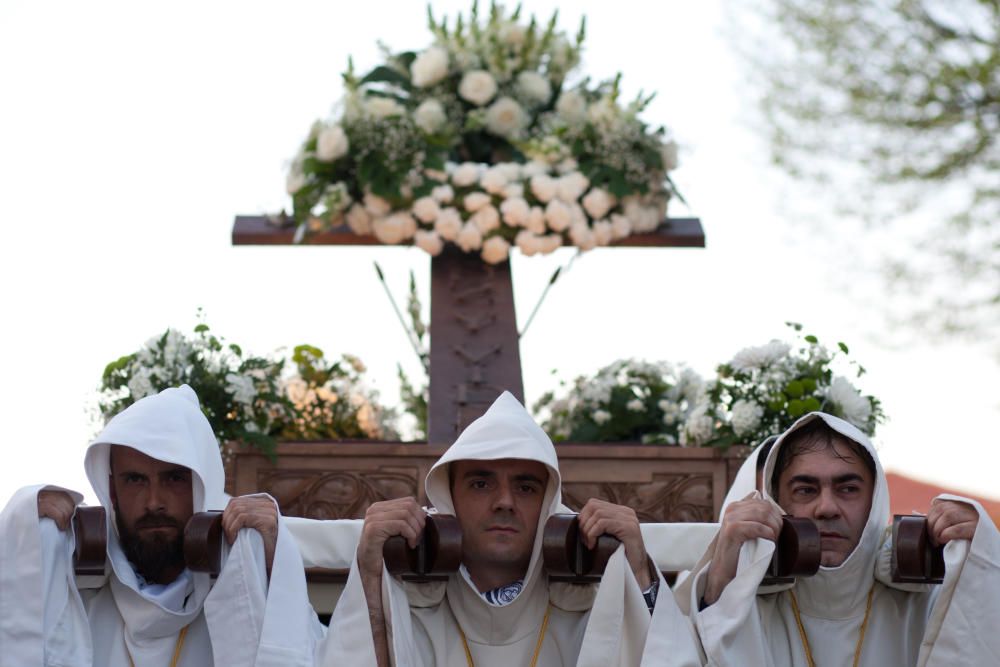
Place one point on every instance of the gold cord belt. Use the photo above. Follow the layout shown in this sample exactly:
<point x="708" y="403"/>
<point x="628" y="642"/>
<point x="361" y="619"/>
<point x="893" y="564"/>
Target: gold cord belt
<point x="177" y="649"/>
<point x="805" y="640"/>
<point x="538" y="644"/>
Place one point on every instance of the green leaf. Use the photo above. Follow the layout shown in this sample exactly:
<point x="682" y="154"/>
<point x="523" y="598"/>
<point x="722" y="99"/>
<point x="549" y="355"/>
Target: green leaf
<point x="843" y="348"/>
<point x="383" y="74"/>
<point x="811" y="339"/>
<point x="795" y="389"/>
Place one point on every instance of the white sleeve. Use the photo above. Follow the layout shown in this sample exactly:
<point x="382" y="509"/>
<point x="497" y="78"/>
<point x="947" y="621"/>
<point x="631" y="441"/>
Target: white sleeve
<point x="254" y="623"/>
<point x="730" y="631"/>
<point x="962" y="628"/>
<point x="42" y="618"/>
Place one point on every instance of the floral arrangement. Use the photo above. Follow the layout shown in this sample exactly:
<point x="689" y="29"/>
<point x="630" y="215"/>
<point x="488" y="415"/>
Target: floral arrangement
<point x="249" y="398"/>
<point x="482" y="141"/>
<point x="762" y="390"/>
<point x="626" y="401"/>
<point x="331" y="401"/>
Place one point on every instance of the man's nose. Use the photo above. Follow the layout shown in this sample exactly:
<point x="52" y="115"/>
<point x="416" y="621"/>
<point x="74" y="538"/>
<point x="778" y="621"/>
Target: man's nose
<point x="154" y="498"/>
<point x="826" y="505"/>
<point x="504" y="498"/>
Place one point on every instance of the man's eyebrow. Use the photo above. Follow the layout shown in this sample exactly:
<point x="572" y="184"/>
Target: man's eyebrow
<point x="479" y="473"/>
<point x="804" y="479"/>
<point x="528" y="477"/>
<point x="848" y="477"/>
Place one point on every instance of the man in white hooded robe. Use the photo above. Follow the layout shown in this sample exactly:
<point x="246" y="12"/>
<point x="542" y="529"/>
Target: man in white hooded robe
<point x="157" y="462"/>
<point x="501" y="478"/>
<point x="849" y="613"/>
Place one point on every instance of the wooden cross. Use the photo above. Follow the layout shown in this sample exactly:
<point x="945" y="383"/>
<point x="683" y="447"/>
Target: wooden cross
<point x="474" y="353"/>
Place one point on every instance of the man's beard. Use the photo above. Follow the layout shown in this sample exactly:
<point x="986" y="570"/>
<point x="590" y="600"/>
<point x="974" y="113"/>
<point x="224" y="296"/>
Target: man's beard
<point x="152" y="555"/>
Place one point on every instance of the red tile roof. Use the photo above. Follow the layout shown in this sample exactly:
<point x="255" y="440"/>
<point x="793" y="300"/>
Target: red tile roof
<point x="907" y="495"/>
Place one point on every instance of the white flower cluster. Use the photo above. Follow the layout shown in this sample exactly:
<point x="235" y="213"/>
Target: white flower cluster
<point x="484" y="90"/>
<point x="490" y="208"/>
<point x="623" y="400"/>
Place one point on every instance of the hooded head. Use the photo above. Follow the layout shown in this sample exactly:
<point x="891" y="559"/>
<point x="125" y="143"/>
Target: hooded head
<point x="504" y="463"/>
<point x="835" y="478"/>
<point x="164" y="435"/>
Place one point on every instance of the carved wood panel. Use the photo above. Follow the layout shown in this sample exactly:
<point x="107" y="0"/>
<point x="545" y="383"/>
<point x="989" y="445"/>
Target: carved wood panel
<point x="338" y="494"/>
<point x="670" y="498"/>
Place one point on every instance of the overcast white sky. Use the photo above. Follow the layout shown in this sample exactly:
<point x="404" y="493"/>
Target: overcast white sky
<point x="132" y="133"/>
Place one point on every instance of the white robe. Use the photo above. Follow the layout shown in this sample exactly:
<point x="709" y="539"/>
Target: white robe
<point x="951" y="624"/>
<point x="47" y="617"/>
<point x="599" y="626"/>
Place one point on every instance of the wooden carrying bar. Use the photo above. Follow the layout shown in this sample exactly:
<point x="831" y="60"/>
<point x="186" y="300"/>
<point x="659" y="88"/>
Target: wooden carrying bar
<point x="202" y="541"/>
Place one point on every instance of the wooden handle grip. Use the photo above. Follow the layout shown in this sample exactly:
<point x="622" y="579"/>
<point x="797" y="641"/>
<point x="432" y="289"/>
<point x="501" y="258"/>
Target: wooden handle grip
<point x="915" y="560"/>
<point x="90" y="528"/>
<point x="202" y="541"/>
<point x="437" y="555"/>
<point x="566" y="556"/>
<point x="797" y="552"/>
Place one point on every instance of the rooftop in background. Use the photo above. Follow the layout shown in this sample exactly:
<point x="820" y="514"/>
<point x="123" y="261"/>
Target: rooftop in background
<point x="908" y="495"/>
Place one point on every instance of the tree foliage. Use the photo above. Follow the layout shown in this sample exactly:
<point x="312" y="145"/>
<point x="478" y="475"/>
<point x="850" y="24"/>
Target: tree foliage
<point x="893" y="107"/>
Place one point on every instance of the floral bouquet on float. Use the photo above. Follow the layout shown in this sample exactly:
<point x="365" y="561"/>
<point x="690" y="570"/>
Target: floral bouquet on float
<point x="484" y="141"/>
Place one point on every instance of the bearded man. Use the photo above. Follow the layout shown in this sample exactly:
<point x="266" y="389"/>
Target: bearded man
<point x="501" y="480"/>
<point x="152" y="467"/>
<point x="850" y="612"/>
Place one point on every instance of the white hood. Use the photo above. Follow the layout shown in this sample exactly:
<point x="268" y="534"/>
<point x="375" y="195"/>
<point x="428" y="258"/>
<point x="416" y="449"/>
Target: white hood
<point x="837" y="591"/>
<point x="168" y="426"/>
<point x="505" y="431"/>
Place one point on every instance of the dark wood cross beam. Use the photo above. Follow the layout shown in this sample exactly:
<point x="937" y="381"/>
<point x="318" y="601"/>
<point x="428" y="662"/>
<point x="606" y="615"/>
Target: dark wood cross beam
<point x="474" y="352"/>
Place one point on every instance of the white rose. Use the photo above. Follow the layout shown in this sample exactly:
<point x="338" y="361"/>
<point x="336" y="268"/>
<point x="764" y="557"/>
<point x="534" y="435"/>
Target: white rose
<point x="513" y="191"/>
<point x="598" y="202"/>
<point x="557" y="215"/>
<point x="515" y="211"/>
<point x="359" y="220"/>
<point x="746" y="417"/>
<point x="448" y="224"/>
<point x="543" y="187"/>
<point x="533" y="87"/>
<point x="429" y="67"/>
<point x="493" y="180"/>
<point x="495" y="250"/>
<point x="534" y="168"/>
<point x="603" y="233"/>
<point x="571" y="106"/>
<point x="635" y="405"/>
<point x="620" y="226"/>
<point x="477" y="87"/>
<point x="669" y="154"/>
<point x="536" y="220"/>
<point x="506" y="118"/>
<point x="567" y="165"/>
<point x="331" y="144"/>
<point x="551" y="243"/>
<point x="849" y="402"/>
<point x="436" y="174"/>
<point x="576" y="214"/>
<point x="601" y="416"/>
<point x="512" y="33"/>
<point x="529" y="244"/>
<point x="295" y="180"/>
<point x="465" y="174"/>
<point x="469" y="238"/>
<point x="443" y="194"/>
<point x="396" y="228"/>
<point x="511" y="170"/>
<point x="430" y="116"/>
<point x="582" y="236"/>
<point x="571" y="186"/>
<point x="426" y="209"/>
<point x="428" y="241"/>
<point x="475" y="201"/>
<point x="383" y="107"/>
<point x="487" y="219"/>
<point x="377" y="206"/>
